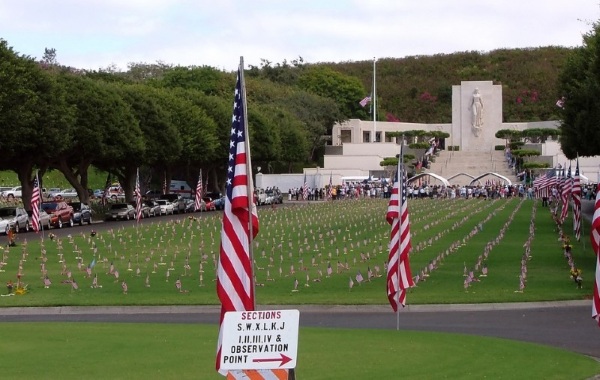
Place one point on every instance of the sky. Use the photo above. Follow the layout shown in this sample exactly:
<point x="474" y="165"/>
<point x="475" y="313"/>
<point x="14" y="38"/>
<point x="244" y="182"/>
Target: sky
<point x="95" y="34"/>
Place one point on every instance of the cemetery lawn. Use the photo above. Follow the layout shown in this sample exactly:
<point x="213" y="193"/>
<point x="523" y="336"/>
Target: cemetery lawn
<point x="177" y="351"/>
<point x="296" y="249"/>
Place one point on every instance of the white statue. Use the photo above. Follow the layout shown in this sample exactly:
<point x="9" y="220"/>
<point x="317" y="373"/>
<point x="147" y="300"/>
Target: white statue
<point x="477" y="110"/>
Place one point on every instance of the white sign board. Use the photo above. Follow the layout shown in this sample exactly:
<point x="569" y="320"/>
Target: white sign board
<point x="266" y="339"/>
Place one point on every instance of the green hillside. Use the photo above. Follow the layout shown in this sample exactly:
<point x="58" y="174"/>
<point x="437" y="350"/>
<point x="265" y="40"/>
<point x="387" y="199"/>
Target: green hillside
<point x="419" y="88"/>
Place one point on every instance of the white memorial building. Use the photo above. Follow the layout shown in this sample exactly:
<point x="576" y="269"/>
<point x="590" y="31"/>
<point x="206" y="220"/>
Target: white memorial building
<point x="358" y="146"/>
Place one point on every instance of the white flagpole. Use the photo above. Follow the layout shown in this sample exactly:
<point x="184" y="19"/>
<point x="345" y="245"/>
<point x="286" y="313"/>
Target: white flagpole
<point x="374" y="100"/>
<point x="250" y="187"/>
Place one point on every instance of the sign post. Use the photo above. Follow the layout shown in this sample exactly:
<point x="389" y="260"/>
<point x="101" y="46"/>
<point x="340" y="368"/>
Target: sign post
<point x="266" y="339"/>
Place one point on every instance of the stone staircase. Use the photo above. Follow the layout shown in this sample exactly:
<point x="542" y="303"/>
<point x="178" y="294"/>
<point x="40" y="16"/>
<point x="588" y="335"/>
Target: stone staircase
<point x="448" y="164"/>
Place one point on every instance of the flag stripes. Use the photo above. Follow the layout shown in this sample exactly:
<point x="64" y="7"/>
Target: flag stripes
<point x="138" y="197"/>
<point x="305" y="189"/>
<point x="35" y="204"/>
<point x="566" y="192"/>
<point x="198" y="195"/>
<point x="235" y="282"/>
<point x="258" y="374"/>
<point x="595" y="237"/>
<point x="576" y="194"/>
<point x="399" y="277"/>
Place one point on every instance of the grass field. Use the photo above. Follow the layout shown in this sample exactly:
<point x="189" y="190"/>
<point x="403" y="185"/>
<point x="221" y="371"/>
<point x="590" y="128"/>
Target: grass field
<point x="150" y="351"/>
<point x="300" y="243"/>
<point x="297" y="243"/>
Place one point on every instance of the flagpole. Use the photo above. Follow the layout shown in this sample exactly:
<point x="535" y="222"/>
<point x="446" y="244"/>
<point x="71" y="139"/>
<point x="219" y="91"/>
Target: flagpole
<point x="374" y="101"/>
<point x="250" y="187"/>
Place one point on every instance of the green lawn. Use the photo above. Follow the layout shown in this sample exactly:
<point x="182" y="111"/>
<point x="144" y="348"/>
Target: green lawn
<point x="177" y="351"/>
<point x="299" y="243"/>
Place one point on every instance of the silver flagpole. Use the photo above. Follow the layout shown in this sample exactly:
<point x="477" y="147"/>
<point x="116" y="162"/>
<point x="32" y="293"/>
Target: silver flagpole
<point x="250" y="186"/>
<point x="374" y="101"/>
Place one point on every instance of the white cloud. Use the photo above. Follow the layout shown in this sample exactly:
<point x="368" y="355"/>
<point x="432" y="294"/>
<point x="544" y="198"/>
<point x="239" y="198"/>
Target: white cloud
<point x="96" y="33"/>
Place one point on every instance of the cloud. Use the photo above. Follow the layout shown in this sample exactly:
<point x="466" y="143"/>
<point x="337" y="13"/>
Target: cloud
<point x="96" y="33"/>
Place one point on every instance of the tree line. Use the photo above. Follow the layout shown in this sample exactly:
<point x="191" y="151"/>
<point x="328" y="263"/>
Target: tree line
<point x="171" y="121"/>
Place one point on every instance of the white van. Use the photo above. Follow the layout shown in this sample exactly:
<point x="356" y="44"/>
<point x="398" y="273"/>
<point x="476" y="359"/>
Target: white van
<point x="181" y="188"/>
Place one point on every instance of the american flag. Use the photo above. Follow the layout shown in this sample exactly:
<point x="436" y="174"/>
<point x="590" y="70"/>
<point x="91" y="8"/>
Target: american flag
<point x="198" y="195"/>
<point x="138" y="197"/>
<point x="566" y="191"/>
<point x="399" y="277"/>
<point x="305" y="189"/>
<point x="595" y="237"/>
<point x="330" y="188"/>
<point x="576" y="194"/>
<point x="365" y="101"/>
<point x="35" y="204"/>
<point x="235" y="281"/>
<point x="164" y="189"/>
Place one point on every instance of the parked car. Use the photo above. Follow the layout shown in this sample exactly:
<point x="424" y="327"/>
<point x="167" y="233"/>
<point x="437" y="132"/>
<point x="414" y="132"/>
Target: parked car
<point x="13" y="218"/>
<point x="220" y="203"/>
<point x="51" y="192"/>
<point x="67" y="193"/>
<point x="177" y="201"/>
<point x="145" y="209"/>
<point x="122" y="211"/>
<point x="44" y="217"/>
<point x="82" y="213"/>
<point x="153" y="194"/>
<point x="12" y="193"/>
<point x="154" y="208"/>
<point x="190" y="205"/>
<point x="98" y="193"/>
<point x="115" y="192"/>
<point x="166" y="207"/>
<point x="60" y="212"/>
<point x="210" y="204"/>
<point x="273" y="197"/>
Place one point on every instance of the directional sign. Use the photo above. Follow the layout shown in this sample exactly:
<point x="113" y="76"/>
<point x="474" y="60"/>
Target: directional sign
<point x="266" y="339"/>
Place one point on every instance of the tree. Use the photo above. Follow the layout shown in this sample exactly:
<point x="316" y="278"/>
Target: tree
<point x="159" y="136"/>
<point x="345" y="91"/>
<point x="579" y="83"/>
<point x="100" y="130"/>
<point x="35" y="120"/>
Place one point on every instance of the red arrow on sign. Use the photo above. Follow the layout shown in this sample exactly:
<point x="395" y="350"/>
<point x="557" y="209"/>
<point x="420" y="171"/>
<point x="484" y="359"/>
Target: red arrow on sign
<point x="283" y="359"/>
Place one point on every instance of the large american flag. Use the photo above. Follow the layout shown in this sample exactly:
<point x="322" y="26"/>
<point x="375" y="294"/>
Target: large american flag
<point x="566" y="191"/>
<point x="330" y="188"/>
<point x="35" y="205"/>
<point x="235" y="281"/>
<point x="399" y="277"/>
<point x="138" y="197"/>
<point x="595" y="237"/>
<point x="198" y="195"/>
<point x="576" y="194"/>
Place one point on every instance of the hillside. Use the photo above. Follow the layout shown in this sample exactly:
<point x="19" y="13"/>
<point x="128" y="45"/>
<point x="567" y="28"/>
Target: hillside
<point x="419" y="88"/>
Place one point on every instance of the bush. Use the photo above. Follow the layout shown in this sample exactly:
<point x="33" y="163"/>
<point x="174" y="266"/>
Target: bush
<point x="422" y="145"/>
<point x="499" y="147"/>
